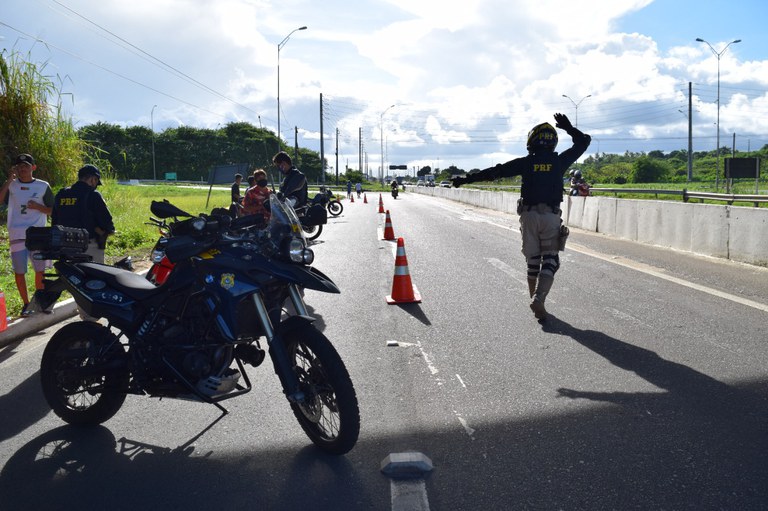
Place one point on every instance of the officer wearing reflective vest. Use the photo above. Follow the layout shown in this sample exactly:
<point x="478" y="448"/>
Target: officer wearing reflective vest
<point x="80" y="205"/>
<point x="541" y="194"/>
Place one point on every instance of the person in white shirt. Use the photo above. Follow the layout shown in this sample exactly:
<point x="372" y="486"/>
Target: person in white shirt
<point x="30" y="202"/>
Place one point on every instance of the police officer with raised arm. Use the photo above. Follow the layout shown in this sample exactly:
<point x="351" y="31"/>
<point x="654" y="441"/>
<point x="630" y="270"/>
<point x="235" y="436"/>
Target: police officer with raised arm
<point x="541" y="194"/>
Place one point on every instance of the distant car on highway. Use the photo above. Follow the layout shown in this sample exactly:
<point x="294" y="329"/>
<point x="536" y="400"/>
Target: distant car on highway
<point x="420" y="182"/>
<point x="445" y="184"/>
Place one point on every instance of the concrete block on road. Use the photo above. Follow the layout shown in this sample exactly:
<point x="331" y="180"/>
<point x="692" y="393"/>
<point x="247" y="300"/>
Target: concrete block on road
<point x="406" y="465"/>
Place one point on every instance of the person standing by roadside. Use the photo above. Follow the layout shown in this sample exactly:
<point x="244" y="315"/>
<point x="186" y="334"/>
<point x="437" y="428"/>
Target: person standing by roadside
<point x="236" y="198"/>
<point x="30" y="202"/>
<point x="257" y="196"/>
<point x="80" y="205"/>
<point x="541" y="193"/>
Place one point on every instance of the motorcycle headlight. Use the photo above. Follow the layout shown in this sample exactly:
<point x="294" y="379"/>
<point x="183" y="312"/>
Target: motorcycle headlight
<point x="299" y="253"/>
<point x="308" y="256"/>
<point x="198" y="224"/>
<point x="296" y="250"/>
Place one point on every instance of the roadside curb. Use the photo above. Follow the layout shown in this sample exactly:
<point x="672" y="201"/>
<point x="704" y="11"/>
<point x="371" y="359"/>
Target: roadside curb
<point x="23" y="327"/>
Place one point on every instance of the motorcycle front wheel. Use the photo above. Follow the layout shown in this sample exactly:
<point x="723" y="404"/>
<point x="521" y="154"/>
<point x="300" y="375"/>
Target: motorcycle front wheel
<point x="312" y="232"/>
<point x="335" y="208"/>
<point x="80" y="379"/>
<point x="329" y="415"/>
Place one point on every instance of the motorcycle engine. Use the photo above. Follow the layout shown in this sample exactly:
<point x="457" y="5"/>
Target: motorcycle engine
<point x="192" y="346"/>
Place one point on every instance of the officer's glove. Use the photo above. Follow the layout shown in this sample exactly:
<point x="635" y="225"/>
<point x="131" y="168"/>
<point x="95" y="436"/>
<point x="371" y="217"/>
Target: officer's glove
<point x="562" y="122"/>
<point x="458" y="181"/>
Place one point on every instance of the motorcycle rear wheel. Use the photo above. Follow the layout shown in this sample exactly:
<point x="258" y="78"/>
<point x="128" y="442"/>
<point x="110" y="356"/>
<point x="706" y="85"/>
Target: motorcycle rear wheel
<point x="312" y="232"/>
<point x="335" y="208"/>
<point x="75" y="396"/>
<point x="329" y="414"/>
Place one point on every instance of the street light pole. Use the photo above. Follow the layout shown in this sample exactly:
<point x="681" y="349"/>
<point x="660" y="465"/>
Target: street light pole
<point x="576" y="106"/>
<point x="718" y="55"/>
<point x="152" y="124"/>
<point x="381" y="130"/>
<point x="280" y="47"/>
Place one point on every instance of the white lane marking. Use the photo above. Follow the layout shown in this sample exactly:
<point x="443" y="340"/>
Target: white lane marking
<point x="624" y="316"/>
<point x="408" y="495"/>
<point x="658" y="273"/>
<point x="509" y="270"/>
<point x="432" y="368"/>
<point x="461" y="381"/>
<point x="465" y="425"/>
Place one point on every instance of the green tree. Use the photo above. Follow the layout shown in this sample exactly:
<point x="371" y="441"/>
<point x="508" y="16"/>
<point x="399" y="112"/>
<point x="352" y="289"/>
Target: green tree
<point x="648" y="170"/>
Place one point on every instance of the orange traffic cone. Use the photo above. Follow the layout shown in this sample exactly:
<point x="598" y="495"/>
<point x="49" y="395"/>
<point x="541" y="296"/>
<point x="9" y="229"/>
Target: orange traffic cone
<point x="365" y="198"/>
<point x="381" y="204"/>
<point x="352" y="198"/>
<point x="403" y="290"/>
<point x="3" y="313"/>
<point x="389" y="233"/>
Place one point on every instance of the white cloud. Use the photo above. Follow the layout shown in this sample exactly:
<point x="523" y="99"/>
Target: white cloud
<point x="469" y="77"/>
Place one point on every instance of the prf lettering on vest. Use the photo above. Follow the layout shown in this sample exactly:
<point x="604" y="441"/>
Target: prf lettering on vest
<point x="67" y="201"/>
<point x="542" y="167"/>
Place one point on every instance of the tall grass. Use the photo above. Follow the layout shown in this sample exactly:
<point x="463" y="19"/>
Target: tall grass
<point x="32" y="121"/>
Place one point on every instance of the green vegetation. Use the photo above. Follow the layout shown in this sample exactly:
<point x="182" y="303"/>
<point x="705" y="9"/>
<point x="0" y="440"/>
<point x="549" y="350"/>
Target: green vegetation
<point x="29" y="123"/>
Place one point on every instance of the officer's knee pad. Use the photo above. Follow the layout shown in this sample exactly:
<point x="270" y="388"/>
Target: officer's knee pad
<point x="550" y="264"/>
<point x="534" y="266"/>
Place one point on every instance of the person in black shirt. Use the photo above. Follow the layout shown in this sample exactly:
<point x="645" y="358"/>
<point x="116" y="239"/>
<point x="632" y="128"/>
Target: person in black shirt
<point x="294" y="185"/>
<point x="80" y="205"/>
<point x="541" y="193"/>
<point x="236" y="198"/>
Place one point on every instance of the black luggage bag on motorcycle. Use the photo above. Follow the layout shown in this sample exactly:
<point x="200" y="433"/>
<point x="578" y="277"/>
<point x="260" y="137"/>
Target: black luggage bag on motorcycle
<point x="57" y="242"/>
<point x="316" y="214"/>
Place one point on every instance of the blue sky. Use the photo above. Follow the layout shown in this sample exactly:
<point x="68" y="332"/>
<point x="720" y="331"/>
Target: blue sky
<point x="468" y="78"/>
<point x="679" y="22"/>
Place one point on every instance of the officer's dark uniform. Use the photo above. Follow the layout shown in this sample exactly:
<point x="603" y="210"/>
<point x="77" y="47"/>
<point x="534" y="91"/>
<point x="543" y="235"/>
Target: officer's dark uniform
<point x="541" y="194"/>
<point x="295" y="185"/>
<point x="82" y="206"/>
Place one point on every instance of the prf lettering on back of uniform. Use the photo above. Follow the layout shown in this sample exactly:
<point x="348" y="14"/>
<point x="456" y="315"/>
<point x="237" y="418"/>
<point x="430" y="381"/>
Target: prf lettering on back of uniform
<point x="542" y="167"/>
<point x="67" y="201"/>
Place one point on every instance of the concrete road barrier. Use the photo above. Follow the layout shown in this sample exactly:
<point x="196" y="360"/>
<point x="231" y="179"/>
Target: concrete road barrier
<point x="736" y="233"/>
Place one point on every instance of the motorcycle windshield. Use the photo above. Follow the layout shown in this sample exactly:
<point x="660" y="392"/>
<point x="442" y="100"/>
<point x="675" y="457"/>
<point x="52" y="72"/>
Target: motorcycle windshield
<point x="283" y="221"/>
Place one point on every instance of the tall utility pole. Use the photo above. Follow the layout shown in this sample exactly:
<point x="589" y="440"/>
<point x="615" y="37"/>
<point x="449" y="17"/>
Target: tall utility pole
<point x="690" y="133"/>
<point x="576" y="106"/>
<point x="280" y="47"/>
<point x="322" y="145"/>
<point x="152" y="127"/>
<point x="718" y="55"/>
<point x="381" y="129"/>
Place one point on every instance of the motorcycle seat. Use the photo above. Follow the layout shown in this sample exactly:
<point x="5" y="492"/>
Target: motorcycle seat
<point x="132" y="284"/>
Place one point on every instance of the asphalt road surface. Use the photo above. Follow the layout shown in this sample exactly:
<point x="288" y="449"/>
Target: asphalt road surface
<point x="646" y="389"/>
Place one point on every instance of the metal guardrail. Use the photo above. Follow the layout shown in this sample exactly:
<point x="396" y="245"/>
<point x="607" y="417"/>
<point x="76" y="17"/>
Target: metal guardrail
<point x="729" y="198"/>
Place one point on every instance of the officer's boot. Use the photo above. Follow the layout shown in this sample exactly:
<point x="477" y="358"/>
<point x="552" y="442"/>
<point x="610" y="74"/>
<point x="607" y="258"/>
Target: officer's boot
<point x="542" y="290"/>
<point x="531" y="286"/>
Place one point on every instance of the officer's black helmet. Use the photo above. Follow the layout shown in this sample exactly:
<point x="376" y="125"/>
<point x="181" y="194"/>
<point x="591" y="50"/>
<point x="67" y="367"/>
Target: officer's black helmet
<point x="542" y="137"/>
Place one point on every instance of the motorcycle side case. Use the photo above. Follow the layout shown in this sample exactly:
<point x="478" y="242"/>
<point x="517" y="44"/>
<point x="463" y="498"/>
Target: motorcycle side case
<point x="316" y="215"/>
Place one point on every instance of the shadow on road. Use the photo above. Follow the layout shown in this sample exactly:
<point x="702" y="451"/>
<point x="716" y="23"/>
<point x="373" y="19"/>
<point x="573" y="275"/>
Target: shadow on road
<point x="695" y="443"/>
